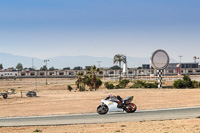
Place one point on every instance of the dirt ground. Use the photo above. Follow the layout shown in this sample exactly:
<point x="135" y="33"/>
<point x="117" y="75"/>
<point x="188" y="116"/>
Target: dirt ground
<point x="55" y="99"/>
<point x="168" y="126"/>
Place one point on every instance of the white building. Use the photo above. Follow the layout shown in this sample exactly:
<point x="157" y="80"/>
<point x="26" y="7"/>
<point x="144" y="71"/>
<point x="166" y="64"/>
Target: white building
<point x="8" y="73"/>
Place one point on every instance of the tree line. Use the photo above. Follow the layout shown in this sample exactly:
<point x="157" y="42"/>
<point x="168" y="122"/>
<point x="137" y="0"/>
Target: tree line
<point x="118" y="58"/>
<point x="20" y="67"/>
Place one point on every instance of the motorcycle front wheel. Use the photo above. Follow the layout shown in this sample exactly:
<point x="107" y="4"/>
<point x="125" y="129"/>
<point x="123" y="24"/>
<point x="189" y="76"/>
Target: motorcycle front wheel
<point x="130" y="108"/>
<point x="102" y="109"/>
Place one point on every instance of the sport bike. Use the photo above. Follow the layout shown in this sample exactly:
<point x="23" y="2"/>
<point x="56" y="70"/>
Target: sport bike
<point x="116" y="104"/>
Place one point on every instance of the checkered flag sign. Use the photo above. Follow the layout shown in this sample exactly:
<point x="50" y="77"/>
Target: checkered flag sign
<point x="159" y="61"/>
<point x="159" y="78"/>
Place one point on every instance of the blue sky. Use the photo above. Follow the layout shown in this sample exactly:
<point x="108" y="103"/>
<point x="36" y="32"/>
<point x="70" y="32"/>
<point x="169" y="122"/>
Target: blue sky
<point x="101" y="28"/>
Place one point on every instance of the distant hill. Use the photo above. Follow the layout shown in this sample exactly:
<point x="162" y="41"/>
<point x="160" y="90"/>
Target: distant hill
<point x="9" y="60"/>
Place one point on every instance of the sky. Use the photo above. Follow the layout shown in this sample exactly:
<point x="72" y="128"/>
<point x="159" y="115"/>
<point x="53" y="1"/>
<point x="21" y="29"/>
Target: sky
<point x="100" y="28"/>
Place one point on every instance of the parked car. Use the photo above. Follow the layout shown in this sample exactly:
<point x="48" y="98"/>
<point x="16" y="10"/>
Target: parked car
<point x="31" y="94"/>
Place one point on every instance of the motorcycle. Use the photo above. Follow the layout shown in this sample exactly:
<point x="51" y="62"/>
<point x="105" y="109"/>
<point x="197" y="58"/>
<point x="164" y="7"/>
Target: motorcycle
<point x="114" y="104"/>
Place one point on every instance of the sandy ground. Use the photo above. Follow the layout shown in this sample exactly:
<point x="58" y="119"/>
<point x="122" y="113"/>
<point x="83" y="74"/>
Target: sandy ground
<point x="60" y="102"/>
<point x="55" y="99"/>
<point x="168" y="126"/>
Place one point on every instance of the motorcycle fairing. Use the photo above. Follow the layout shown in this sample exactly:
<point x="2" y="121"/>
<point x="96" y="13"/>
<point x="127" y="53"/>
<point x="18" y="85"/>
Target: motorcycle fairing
<point x="112" y="105"/>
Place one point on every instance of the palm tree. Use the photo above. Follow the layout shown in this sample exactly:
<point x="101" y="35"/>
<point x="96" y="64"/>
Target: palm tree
<point x="79" y="80"/>
<point x="92" y="75"/>
<point x="87" y="81"/>
<point x="118" y="58"/>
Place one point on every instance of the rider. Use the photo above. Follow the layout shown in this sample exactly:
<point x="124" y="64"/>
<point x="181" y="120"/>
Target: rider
<point x="120" y="103"/>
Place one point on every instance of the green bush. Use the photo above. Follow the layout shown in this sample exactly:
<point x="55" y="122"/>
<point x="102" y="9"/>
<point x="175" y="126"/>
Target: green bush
<point x="143" y="84"/>
<point x="138" y="84"/>
<point x="118" y="86"/>
<point x="98" y="82"/>
<point x="186" y="82"/>
<point x="151" y="85"/>
<point x="195" y="84"/>
<point x="37" y="131"/>
<point x="69" y="88"/>
<point x="82" y="88"/>
<point x="179" y="83"/>
<point x="123" y="83"/>
<point x="109" y="85"/>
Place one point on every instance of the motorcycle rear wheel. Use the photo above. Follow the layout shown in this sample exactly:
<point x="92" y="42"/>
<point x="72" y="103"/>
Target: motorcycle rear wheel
<point x="130" y="108"/>
<point x="102" y="109"/>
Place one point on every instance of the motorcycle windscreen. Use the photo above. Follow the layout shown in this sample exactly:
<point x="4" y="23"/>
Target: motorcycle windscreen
<point x="129" y="98"/>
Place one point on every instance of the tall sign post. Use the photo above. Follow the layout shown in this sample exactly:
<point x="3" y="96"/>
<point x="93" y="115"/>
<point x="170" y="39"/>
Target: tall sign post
<point x="159" y="61"/>
<point x="46" y="70"/>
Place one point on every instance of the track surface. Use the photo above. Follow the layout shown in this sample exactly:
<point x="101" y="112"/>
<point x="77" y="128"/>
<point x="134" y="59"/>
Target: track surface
<point x="162" y="114"/>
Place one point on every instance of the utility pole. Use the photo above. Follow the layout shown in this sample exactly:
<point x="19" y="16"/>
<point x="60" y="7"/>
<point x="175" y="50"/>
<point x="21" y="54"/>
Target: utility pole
<point x="99" y="67"/>
<point x="32" y="64"/>
<point x="46" y="69"/>
<point x="99" y="63"/>
<point x="180" y="64"/>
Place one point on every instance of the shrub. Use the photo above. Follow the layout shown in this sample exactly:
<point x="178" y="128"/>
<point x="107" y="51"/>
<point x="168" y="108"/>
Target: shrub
<point x="77" y="85"/>
<point x="151" y="85"/>
<point x="186" y="82"/>
<point x="109" y="85"/>
<point x="179" y="84"/>
<point x="138" y="84"/>
<point x="123" y="83"/>
<point x="143" y="84"/>
<point x="186" y="77"/>
<point x="82" y="88"/>
<point x="98" y="82"/>
<point x="118" y="86"/>
<point x="69" y="88"/>
<point x="91" y="83"/>
<point x="195" y="84"/>
<point x="37" y="131"/>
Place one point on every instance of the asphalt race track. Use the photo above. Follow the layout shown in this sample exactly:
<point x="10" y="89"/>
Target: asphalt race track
<point x="161" y="114"/>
